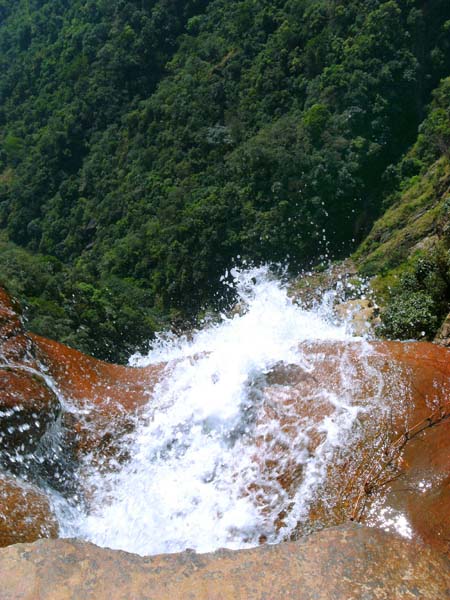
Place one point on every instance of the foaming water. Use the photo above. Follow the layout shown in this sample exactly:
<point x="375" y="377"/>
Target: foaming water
<point x="197" y="476"/>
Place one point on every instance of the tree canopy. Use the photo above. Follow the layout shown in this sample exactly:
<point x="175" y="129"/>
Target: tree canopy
<point x="146" y="144"/>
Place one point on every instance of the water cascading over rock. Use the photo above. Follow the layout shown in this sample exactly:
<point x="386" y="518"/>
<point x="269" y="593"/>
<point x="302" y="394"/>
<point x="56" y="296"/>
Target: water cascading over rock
<point x="264" y="426"/>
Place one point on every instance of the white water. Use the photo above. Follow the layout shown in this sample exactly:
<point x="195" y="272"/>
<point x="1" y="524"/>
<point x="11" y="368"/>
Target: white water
<point x="196" y="477"/>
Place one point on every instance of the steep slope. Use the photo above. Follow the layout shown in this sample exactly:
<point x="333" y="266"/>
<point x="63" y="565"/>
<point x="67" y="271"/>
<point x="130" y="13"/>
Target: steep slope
<point x="147" y="144"/>
<point x="408" y="249"/>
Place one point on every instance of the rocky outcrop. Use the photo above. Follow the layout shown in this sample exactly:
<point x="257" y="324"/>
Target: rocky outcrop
<point x="397" y="471"/>
<point x="443" y="335"/>
<point x="56" y="407"/>
<point x="350" y="295"/>
<point x="342" y="563"/>
<point x="363" y="316"/>
<point x="100" y="399"/>
<point x="396" y="474"/>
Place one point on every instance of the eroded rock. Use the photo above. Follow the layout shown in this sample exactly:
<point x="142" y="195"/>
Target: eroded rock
<point x="341" y="563"/>
<point x="101" y="402"/>
<point x="101" y="399"/>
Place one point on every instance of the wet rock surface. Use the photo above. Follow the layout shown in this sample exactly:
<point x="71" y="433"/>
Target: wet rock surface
<point x="46" y="432"/>
<point x="27" y="408"/>
<point x="397" y="472"/>
<point x="349" y="562"/>
<point x="103" y="400"/>
<point x="419" y="485"/>
<point x="25" y="513"/>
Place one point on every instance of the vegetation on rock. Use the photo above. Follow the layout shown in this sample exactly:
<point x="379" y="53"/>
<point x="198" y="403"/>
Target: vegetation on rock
<point x="408" y="249"/>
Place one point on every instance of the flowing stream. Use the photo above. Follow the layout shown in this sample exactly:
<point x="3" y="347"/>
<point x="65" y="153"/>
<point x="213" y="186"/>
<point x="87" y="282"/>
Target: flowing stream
<point x="197" y="475"/>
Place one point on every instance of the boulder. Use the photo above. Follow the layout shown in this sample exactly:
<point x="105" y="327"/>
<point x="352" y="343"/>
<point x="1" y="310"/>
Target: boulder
<point x="443" y="335"/>
<point x="363" y="316"/>
<point x="102" y="400"/>
<point x="340" y="563"/>
<point x="27" y="408"/>
<point x="25" y="513"/>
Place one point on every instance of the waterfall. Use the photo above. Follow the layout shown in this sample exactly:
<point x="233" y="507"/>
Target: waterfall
<point x="197" y="474"/>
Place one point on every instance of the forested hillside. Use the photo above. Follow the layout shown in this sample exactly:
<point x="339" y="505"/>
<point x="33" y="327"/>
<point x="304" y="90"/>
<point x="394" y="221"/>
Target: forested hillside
<point x="147" y="143"/>
<point x="407" y="253"/>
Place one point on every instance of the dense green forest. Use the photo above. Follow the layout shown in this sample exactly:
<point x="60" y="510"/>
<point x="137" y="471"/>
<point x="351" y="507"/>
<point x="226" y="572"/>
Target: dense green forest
<point x="146" y="144"/>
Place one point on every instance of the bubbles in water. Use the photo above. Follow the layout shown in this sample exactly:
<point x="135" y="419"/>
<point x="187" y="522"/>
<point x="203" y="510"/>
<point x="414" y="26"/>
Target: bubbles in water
<point x="209" y="454"/>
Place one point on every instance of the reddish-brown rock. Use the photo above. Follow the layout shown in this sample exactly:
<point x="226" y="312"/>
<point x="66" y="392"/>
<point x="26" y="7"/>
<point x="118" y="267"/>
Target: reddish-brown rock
<point x="10" y="323"/>
<point x="25" y="513"/>
<point x="345" y="563"/>
<point x="401" y="463"/>
<point x="421" y="485"/>
<point x="106" y="397"/>
<point x="400" y="467"/>
<point x="82" y="378"/>
<point x="14" y="345"/>
<point x="27" y="408"/>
